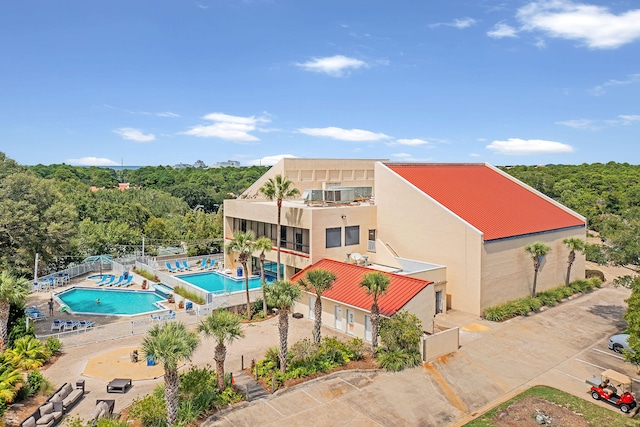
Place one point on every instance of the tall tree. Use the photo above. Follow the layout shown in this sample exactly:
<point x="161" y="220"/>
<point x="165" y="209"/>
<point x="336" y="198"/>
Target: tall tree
<point x="282" y="295"/>
<point x="317" y="281"/>
<point x="537" y="251"/>
<point x="279" y="188"/>
<point x="574" y="244"/>
<point x="243" y="243"/>
<point x="263" y="244"/>
<point x="169" y="344"/>
<point x="13" y="290"/>
<point x="224" y="327"/>
<point x="376" y="285"/>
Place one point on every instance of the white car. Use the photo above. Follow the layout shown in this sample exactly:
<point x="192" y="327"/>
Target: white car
<point x="619" y="342"/>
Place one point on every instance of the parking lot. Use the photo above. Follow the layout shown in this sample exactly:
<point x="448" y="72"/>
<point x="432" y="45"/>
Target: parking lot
<point x="561" y="347"/>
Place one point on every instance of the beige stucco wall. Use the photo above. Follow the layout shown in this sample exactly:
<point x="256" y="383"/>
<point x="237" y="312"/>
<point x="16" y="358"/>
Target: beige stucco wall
<point x="507" y="270"/>
<point x="417" y="227"/>
<point x="307" y="174"/>
<point x="422" y="305"/>
<point x="314" y="219"/>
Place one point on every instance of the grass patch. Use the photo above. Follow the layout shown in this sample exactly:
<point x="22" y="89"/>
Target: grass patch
<point x="595" y="415"/>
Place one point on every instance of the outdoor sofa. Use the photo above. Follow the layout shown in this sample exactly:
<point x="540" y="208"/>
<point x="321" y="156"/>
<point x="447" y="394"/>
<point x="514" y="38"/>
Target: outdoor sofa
<point x="103" y="409"/>
<point x="51" y="412"/>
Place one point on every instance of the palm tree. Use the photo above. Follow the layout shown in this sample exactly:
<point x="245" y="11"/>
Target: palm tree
<point x="13" y="290"/>
<point x="243" y="243"/>
<point x="283" y="294"/>
<point x="263" y="244"/>
<point x="28" y="353"/>
<point x="574" y="244"/>
<point x="169" y="344"/>
<point x="375" y="284"/>
<point x="279" y="188"/>
<point x="537" y="250"/>
<point x="10" y="377"/>
<point x="317" y="281"/>
<point x="224" y="327"/>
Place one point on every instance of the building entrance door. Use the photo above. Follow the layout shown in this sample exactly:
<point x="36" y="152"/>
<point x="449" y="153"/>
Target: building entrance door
<point x="351" y="322"/>
<point x="338" y="318"/>
<point x="438" y="302"/>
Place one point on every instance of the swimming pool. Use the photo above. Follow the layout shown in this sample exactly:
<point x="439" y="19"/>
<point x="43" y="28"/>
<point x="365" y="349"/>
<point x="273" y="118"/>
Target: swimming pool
<point x="115" y="302"/>
<point x="215" y="282"/>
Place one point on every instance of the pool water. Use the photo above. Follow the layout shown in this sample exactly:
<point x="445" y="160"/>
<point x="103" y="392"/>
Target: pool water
<point x="212" y="281"/>
<point x="118" y="302"/>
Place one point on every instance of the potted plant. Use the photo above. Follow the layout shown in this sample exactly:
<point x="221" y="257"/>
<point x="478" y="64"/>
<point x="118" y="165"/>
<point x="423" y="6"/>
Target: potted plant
<point x="144" y="283"/>
<point x="181" y="304"/>
<point x="170" y="298"/>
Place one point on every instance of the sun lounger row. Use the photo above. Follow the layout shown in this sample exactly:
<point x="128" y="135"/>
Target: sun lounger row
<point x="71" y="325"/>
<point x="162" y="317"/>
<point x="110" y="280"/>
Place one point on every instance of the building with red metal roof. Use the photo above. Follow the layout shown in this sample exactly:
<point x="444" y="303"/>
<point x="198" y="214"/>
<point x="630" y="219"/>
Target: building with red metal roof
<point x="462" y="226"/>
<point x="403" y="293"/>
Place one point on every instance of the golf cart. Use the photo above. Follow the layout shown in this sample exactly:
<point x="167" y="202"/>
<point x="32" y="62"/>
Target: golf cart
<point x="614" y="388"/>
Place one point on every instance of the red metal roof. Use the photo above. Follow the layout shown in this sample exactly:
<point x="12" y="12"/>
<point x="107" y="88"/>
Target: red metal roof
<point x="491" y="202"/>
<point x="347" y="290"/>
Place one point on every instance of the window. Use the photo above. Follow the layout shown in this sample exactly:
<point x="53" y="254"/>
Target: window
<point x="352" y="235"/>
<point x="334" y="237"/>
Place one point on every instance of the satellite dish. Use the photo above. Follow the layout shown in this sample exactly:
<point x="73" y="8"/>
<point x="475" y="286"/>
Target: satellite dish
<point x="356" y="256"/>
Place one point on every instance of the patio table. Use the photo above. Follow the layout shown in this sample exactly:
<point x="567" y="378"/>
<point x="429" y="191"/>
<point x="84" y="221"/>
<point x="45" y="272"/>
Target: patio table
<point x="119" y="385"/>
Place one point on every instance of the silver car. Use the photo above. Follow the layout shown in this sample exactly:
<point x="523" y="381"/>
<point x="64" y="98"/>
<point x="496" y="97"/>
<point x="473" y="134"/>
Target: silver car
<point x="619" y="342"/>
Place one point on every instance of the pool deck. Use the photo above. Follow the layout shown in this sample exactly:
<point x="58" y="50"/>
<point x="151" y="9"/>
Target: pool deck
<point x="100" y="362"/>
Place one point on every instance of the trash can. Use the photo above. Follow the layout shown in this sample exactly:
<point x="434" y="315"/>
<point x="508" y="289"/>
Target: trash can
<point x="151" y="361"/>
<point x="239" y="271"/>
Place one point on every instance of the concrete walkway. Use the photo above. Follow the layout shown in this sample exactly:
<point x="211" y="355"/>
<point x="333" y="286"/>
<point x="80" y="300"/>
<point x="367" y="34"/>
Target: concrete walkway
<point x="495" y="362"/>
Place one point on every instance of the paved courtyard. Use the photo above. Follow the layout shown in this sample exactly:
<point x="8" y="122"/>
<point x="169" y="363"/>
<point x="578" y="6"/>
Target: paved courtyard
<point x="560" y="347"/>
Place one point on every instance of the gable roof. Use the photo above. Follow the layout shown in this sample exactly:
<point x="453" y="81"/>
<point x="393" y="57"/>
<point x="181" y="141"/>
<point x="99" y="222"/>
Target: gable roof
<point x="347" y="290"/>
<point x="497" y="205"/>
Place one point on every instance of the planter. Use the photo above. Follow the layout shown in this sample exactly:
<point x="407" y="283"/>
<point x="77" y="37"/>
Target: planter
<point x="144" y="284"/>
<point x="181" y="304"/>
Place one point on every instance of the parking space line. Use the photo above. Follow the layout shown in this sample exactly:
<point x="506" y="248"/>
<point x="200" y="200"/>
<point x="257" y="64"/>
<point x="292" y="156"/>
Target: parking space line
<point x="592" y="364"/>
<point x="608" y="353"/>
<point x="569" y="375"/>
<point x="271" y="406"/>
<point x="305" y="392"/>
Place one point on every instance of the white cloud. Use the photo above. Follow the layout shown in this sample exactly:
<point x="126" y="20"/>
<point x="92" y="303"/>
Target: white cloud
<point x="335" y="66"/>
<point x="354" y="135"/>
<point x="134" y="134"/>
<point x="578" y="123"/>
<point x="92" y="161"/>
<point x="461" y="23"/>
<point x="624" y="120"/>
<point x="406" y="157"/>
<point x="227" y="127"/>
<point x="410" y="142"/>
<point x="270" y="160"/>
<point x="167" y="114"/>
<point x="601" y="89"/>
<point x="516" y="146"/>
<point x="595" y="26"/>
<point x="501" y="30"/>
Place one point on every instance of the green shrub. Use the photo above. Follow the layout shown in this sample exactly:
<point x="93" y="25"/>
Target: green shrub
<point x="496" y="313"/>
<point x="597" y="274"/>
<point x="150" y="410"/>
<point x="53" y="344"/>
<point x="191" y="296"/>
<point x="399" y="359"/>
<point x="355" y="347"/>
<point x="304" y="352"/>
<point x="547" y="298"/>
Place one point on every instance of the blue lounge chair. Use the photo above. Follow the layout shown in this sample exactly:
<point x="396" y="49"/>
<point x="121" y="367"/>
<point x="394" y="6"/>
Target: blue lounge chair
<point x="212" y="265"/>
<point x="185" y="265"/>
<point x="34" y="313"/>
<point x="170" y="268"/>
<point x="70" y="325"/>
<point x="57" y="325"/>
<point x="126" y="282"/>
<point x="178" y="267"/>
<point x="105" y="277"/>
<point x="109" y="281"/>
<point x="117" y="283"/>
<point x="83" y="324"/>
<point x="203" y="264"/>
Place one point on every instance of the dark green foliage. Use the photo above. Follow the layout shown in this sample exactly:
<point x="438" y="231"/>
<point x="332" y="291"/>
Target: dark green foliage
<point x="595" y="273"/>
<point x="198" y="396"/>
<point x="549" y="298"/>
<point x="192" y="296"/>
<point x="307" y="358"/>
<point x="400" y="336"/>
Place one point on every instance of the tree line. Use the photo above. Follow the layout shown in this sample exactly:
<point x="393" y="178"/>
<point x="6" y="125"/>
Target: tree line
<point x="53" y="211"/>
<point x="608" y="195"/>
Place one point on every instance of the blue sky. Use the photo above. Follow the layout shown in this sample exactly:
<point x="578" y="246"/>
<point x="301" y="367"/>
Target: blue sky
<point x="160" y="83"/>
